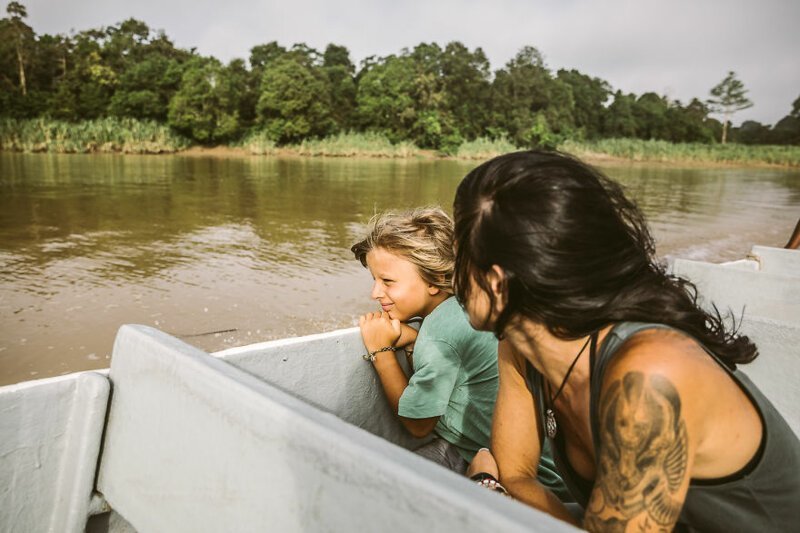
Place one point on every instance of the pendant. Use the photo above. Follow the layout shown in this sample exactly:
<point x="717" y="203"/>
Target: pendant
<point x="550" y="423"/>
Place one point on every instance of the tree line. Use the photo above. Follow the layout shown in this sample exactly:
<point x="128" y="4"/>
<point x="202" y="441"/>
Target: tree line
<point x="434" y="96"/>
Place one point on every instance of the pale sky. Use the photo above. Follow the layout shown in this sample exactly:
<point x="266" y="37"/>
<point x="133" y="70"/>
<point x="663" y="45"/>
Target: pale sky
<point x="680" y="48"/>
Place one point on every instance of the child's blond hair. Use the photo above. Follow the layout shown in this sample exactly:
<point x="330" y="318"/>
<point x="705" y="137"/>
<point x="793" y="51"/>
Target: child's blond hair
<point x="423" y="236"/>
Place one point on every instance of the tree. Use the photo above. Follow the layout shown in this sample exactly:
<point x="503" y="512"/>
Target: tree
<point x="384" y="96"/>
<point x="467" y="88"/>
<point x="145" y="88"/>
<point x="650" y="111"/>
<point x="22" y="32"/>
<point x="205" y="107"/>
<point x="728" y="97"/>
<point x="619" y="121"/>
<point x="590" y="96"/>
<point x="294" y="101"/>
<point x="529" y="104"/>
<point x="339" y="70"/>
<point x="752" y="132"/>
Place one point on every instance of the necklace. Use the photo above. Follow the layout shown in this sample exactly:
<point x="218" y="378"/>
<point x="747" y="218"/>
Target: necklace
<point x="550" y="417"/>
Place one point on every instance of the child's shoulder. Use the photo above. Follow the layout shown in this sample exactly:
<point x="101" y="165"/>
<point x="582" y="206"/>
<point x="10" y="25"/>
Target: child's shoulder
<point x="449" y="321"/>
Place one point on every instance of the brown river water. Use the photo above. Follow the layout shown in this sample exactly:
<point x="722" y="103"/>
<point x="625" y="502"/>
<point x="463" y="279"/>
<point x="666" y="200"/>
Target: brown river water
<point x="260" y="246"/>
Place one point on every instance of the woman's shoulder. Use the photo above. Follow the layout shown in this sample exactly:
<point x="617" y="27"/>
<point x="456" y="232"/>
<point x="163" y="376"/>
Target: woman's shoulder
<point x="662" y="350"/>
<point x="666" y="359"/>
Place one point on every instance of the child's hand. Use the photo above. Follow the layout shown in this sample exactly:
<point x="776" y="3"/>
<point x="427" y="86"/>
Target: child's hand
<point x="378" y="330"/>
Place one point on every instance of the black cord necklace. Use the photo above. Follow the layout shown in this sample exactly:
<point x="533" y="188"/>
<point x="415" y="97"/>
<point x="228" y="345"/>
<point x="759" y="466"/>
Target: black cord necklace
<point x="550" y="417"/>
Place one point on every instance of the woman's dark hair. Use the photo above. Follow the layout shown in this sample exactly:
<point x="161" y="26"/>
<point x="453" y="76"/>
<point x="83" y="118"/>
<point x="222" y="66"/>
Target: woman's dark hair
<point x="576" y="252"/>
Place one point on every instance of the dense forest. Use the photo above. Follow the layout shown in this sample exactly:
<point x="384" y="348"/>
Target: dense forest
<point x="434" y="96"/>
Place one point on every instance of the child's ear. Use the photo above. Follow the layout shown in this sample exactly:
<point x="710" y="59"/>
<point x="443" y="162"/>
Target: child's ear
<point x="434" y="290"/>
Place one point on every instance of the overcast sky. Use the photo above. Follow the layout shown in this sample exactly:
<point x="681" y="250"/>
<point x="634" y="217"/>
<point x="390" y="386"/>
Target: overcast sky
<point x="680" y="48"/>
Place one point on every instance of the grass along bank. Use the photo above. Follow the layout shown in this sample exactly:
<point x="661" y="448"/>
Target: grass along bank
<point x="133" y="136"/>
<point x="351" y="144"/>
<point x="667" y="152"/>
<point x="124" y="135"/>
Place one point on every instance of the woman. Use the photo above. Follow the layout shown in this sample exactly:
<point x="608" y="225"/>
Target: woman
<point x="652" y="426"/>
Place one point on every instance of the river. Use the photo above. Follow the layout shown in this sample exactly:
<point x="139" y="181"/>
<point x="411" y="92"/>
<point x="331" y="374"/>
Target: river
<point x="259" y="247"/>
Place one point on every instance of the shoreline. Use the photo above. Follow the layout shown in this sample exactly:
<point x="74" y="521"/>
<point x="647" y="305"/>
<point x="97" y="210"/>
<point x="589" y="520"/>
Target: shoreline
<point x="595" y="158"/>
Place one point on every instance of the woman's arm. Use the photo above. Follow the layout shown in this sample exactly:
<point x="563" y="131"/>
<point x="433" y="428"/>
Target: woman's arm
<point x="646" y="450"/>
<point x="515" y="437"/>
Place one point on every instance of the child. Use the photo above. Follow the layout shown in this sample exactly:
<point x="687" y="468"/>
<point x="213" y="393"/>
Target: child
<point x="453" y="388"/>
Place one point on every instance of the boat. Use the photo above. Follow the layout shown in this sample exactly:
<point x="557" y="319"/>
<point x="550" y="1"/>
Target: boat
<point x="293" y="434"/>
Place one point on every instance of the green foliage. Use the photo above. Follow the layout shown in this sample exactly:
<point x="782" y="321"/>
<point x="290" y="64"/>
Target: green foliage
<point x="590" y="96"/>
<point x="434" y="97"/>
<point x="484" y="148"/>
<point x="294" y="101"/>
<point x="467" y="91"/>
<point x="664" y="151"/>
<point x="384" y="97"/>
<point x="355" y="144"/>
<point x="339" y="70"/>
<point x="528" y="103"/>
<point x="104" y="135"/>
<point x="540" y="135"/>
<point x="145" y="88"/>
<point x="728" y="97"/>
<point x="259" y="143"/>
<point x="205" y="106"/>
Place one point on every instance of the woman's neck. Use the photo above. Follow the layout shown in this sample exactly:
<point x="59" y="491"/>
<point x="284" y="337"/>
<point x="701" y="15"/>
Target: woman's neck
<point x="553" y="356"/>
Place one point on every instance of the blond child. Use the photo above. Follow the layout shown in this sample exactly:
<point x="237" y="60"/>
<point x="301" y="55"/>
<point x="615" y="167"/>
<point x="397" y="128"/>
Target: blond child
<point x="452" y="390"/>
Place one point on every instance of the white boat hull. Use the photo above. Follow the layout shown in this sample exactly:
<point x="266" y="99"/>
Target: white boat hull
<point x="290" y="435"/>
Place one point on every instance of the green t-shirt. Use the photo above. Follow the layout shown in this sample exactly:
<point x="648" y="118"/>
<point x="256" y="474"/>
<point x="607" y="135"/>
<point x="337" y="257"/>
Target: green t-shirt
<point x="455" y="378"/>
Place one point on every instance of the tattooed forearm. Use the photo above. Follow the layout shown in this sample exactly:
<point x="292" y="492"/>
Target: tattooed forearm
<point x="642" y="457"/>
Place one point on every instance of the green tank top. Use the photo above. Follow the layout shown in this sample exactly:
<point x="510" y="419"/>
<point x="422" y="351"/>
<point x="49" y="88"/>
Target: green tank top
<point x="763" y="496"/>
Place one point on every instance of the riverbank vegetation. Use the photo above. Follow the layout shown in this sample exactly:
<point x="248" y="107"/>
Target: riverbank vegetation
<point x="128" y="88"/>
<point x="654" y="151"/>
<point x="110" y="134"/>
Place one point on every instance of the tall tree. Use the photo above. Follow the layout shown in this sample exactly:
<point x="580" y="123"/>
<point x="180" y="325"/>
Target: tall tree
<point x="728" y="97"/>
<point x="22" y="31"/>
<point x="590" y="96"/>
<point x="385" y="96"/>
<point x="205" y="106"/>
<point x="620" y="121"/>
<point x="339" y="70"/>
<point x="467" y="88"/>
<point x="294" y="101"/>
<point x="529" y="104"/>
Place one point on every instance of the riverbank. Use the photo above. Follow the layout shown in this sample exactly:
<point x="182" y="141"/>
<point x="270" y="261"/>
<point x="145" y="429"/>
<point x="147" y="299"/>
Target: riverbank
<point x="129" y="136"/>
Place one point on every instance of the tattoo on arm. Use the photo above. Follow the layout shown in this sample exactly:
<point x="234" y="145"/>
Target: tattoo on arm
<point x="642" y="457"/>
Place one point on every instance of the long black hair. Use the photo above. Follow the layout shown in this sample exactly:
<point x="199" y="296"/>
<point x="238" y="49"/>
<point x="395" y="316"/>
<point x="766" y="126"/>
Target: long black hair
<point x="576" y="252"/>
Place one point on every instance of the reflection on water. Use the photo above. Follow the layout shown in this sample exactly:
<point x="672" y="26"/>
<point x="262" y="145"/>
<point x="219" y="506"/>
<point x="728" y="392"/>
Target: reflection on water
<point x="261" y="245"/>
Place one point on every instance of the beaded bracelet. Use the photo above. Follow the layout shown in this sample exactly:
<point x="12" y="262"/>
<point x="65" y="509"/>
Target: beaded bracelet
<point x="486" y="480"/>
<point x="371" y="355"/>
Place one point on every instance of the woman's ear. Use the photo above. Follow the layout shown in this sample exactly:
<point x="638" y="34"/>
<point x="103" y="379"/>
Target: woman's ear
<point x="496" y="277"/>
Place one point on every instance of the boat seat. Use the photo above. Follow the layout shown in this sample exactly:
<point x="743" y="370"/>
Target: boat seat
<point x="194" y="444"/>
<point x="50" y="432"/>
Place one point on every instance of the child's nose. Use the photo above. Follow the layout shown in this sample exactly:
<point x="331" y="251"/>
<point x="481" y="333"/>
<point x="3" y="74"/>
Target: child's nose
<point x="377" y="292"/>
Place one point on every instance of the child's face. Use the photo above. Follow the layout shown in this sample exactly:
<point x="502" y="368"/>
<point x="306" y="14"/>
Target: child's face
<point x="398" y="287"/>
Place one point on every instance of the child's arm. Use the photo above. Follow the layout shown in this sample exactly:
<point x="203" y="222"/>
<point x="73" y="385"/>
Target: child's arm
<point x="378" y="331"/>
<point x="407" y="336"/>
